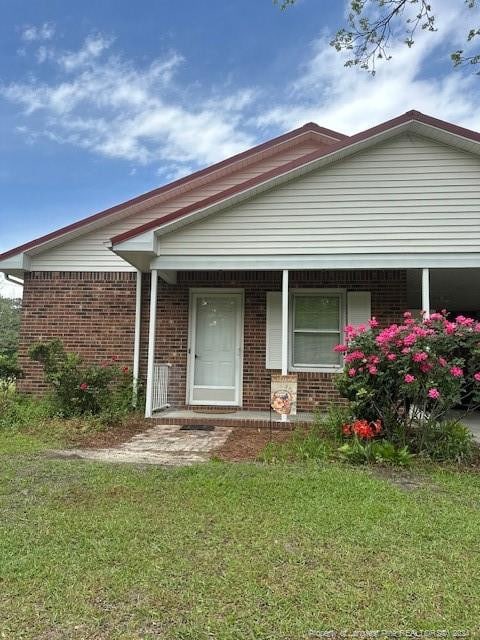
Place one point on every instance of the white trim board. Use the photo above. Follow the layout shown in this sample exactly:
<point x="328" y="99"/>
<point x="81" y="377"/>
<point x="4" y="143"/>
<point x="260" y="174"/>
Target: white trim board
<point x="312" y="262"/>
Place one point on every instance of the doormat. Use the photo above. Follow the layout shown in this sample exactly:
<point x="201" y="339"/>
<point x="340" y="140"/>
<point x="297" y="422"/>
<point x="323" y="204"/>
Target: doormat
<point x="197" y="427"/>
<point x="214" y="410"/>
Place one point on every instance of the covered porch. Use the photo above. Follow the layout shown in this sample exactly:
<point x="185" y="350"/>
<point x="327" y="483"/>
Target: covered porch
<point x="215" y="338"/>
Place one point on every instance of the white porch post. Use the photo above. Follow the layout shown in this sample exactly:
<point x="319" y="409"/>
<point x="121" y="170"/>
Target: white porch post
<point x="151" y="343"/>
<point x="284" y="329"/>
<point x="136" y="341"/>
<point x="426" y="292"/>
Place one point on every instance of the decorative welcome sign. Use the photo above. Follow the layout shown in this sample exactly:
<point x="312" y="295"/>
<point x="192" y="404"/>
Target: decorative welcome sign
<point x="283" y="398"/>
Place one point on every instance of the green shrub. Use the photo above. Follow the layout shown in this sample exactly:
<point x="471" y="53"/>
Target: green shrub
<point x="330" y="424"/>
<point x="302" y="446"/>
<point x="376" y="451"/>
<point x="446" y="441"/>
<point x="18" y="410"/>
<point x="79" y="389"/>
<point x="9" y="370"/>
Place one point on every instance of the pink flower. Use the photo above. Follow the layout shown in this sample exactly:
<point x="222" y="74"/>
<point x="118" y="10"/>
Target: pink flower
<point x="373" y="370"/>
<point x="386" y="335"/>
<point x="420" y="356"/>
<point x="373" y="322"/>
<point x="456" y="372"/>
<point x="354" y="355"/>
<point x="466" y="322"/>
<point x="406" y="350"/>
<point x="84" y="386"/>
<point x="407" y="314"/>
<point x="409" y="378"/>
<point x="410" y="340"/>
<point x="352" y="372"/>
<point x="436" y="316"/>
<point x="425" y="367"/>
<point x="350" y="332"/>
<point x="477" y="376"/>
<point x="391" y="357"/>
<point x="373" y="359"/>
<point x="340" y="348"/>
<point x="442" y="362"/>
<point x="449" y="327"/>
<point x="433" y="393"/>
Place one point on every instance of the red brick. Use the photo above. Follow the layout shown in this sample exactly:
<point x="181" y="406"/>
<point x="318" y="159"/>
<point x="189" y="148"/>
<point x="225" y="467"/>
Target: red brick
<point x="94" y="315"/>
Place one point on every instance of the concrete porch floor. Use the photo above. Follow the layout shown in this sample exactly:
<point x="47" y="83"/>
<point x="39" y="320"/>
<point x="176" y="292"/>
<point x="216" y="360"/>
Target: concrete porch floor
<point x="237" y="418"/>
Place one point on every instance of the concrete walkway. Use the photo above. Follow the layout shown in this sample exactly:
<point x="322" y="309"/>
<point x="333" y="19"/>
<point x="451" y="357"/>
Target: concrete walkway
<point x="472" y="421"/>
<point x="164" y="445"/>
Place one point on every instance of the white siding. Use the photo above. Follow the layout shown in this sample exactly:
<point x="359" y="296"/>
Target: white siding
<point x="89" y="253"/>
<point x="409" y="194"/>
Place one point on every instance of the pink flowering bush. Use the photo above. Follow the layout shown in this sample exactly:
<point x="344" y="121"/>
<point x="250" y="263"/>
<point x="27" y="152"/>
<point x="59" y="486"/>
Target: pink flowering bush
<point x="80" y="389"/>
<point x="411" y="375"/>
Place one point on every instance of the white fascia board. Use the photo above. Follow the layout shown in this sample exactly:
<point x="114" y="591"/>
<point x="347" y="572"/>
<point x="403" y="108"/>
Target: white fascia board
<point x="19" y="262"/>
<point x="445" y="137"/>
<point x="277" y="263"/>
<point x="144" y="242"/>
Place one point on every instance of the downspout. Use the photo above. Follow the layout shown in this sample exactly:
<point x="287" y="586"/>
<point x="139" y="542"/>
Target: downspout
<point x="14" y="280"/>
<point x="136" y="343"/>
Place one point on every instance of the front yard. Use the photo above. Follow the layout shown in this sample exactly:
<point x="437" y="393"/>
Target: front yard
<point x="229" y="551"/>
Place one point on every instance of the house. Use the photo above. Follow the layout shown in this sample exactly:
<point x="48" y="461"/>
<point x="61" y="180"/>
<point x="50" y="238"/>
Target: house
<point x="252" y="267"/>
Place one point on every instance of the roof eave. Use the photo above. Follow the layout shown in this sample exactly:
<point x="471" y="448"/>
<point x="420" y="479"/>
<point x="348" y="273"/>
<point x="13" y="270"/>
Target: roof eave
<point x="148" y="200"/>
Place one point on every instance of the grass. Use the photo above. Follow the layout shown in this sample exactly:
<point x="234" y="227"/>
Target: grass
<point x="230" y="551"/>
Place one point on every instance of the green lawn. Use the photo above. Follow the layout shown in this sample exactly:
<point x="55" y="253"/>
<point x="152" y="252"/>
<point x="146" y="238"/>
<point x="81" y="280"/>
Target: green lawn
<point x="230" y="551"/>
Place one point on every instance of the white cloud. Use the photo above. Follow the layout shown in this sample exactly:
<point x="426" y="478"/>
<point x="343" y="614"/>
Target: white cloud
<point x="45" y="31"/>
<point x="92" y="48"/>
<point x="42" y="54"/>
<point x="101" y="102"/>
<point x="110" y="106"/>
<point x="350" y="100"/>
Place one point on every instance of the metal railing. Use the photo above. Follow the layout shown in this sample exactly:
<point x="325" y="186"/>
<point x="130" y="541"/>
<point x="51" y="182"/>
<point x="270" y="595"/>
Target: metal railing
<point x="161" y="374"/>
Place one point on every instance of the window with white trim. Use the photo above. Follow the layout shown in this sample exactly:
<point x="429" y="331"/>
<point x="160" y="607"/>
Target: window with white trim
<point x="317" y="320"/>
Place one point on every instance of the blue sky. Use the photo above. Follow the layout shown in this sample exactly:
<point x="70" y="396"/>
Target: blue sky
<point x="102" y="101"/>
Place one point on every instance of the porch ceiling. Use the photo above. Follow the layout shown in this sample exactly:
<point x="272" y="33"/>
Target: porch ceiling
<point x="452" y="289"/>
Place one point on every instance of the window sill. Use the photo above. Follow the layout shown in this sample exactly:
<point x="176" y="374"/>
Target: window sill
<point x="333" y="369"/>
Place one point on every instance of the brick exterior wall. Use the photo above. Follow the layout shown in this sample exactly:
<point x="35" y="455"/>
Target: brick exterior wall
<point x="388" y="289"/>
<point x="94" y="314"/>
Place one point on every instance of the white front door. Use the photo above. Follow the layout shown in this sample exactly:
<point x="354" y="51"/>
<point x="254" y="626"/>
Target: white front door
<point x="215" y="351"/>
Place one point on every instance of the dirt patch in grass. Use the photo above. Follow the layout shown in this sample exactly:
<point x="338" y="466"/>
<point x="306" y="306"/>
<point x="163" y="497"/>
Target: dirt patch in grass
<point x="245" y="443"/>
<point x="408" y="480"/>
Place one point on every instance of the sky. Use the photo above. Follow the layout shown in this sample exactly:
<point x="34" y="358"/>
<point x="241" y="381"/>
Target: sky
<point x="102" y="101"/>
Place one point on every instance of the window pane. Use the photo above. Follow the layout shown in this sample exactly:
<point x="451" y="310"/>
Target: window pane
<point x="317" y="312"/>
<point x="315" y="349"/>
